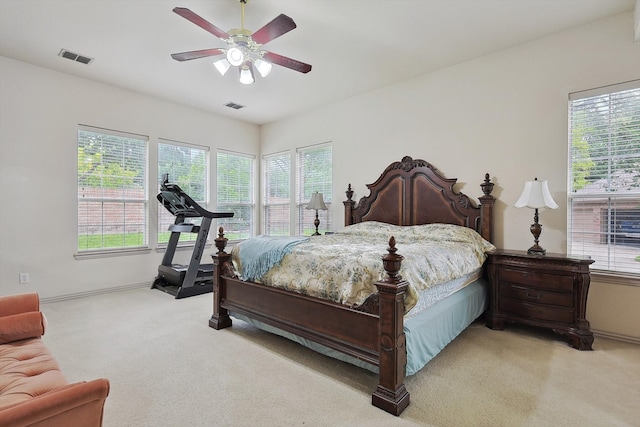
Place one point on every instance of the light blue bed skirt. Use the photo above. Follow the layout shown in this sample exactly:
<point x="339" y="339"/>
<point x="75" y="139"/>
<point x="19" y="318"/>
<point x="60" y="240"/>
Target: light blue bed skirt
<point x="427" y="333"/>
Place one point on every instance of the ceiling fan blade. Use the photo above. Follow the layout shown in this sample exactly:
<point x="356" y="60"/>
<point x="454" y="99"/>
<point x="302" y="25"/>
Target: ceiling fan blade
<point x="195" y="54"/>
<point x="280" y="25"/>
<point x="201" y="22"/>
<point x="286" y="62"/>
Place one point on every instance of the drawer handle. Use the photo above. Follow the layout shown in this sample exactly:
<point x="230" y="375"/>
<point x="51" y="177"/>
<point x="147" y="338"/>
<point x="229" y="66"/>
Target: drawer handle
<point x="535" y="296"/>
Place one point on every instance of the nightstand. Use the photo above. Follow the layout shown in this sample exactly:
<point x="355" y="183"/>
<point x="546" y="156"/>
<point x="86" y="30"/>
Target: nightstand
<point x="548" y="291"/>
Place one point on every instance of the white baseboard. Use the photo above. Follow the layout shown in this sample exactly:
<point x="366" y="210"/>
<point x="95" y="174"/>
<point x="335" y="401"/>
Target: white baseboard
<point x="619" y="337"/>
<point x="95" y="292"/>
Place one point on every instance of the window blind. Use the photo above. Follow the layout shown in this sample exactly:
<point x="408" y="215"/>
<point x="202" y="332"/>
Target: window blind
<point x="112" y="190"/>
<point x="604" y="177"/>
<point x="187" y="167"/>
<point x="235" y="188"/>
<point x="277" y="194"/>
<point x="314" y="172"/>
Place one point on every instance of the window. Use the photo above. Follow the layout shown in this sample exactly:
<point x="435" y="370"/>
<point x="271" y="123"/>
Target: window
<point x="277" y="194"/>
<point x="235" y="184"/>
<point x="604" y="177"/>
<point x="187" y="167"/>
<point x="314" y="173"/>
<point x="112" y="196"/>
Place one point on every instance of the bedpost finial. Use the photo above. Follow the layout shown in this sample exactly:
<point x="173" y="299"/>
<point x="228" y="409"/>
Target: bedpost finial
<point x="349" y="192"/>
<point x="487" y="185"/>
<point x="221" y="241"/>
<point x="392" y="245"/>
<point x="392" y="261"/>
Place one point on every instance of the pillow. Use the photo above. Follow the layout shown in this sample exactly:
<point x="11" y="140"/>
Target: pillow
<point x="21" y="326"/>
<point x="372" y="228"/>
<point x="418" y="233"/>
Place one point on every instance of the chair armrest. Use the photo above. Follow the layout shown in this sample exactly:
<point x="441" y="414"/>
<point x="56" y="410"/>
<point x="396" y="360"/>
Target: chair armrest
<point x="78" y="404"/>
<point x="21" y="326"/>
<point x="21" y="303"/>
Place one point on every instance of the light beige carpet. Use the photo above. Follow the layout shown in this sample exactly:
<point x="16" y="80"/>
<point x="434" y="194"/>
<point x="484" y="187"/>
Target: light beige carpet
<point x="168" y="368"/>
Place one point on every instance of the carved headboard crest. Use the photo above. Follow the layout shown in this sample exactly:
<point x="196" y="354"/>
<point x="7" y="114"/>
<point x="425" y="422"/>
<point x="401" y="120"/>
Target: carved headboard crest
<point x="407" y="163"/>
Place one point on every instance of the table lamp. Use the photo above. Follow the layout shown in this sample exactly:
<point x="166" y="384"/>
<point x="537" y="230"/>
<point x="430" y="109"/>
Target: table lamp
<point x="317" y="203"/>
<point x="536" y="195"/>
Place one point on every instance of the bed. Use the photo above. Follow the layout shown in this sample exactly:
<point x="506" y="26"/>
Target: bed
<point x="375" y="332"/>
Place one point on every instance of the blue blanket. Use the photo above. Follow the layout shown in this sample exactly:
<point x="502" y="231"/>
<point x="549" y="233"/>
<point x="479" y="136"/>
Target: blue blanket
<point x="259" y="254"/>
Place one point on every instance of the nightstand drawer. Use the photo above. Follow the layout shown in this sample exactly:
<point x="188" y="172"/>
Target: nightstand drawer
<point x="536" y="279"/>
<point x="536" y="296"/>
<point x="537" y="312"/>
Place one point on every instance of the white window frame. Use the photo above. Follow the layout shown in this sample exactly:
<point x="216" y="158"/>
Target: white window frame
<point x="108" y="195"/>
<point x="242" y="225"/>
<point x="164" y="217"/>
<point x="597" y="208"/>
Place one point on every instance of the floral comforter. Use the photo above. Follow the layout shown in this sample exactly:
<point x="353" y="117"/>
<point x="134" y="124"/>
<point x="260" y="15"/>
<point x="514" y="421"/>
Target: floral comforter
<point x="343" y="267"/>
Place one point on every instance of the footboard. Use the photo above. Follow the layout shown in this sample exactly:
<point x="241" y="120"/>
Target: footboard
<point x="377" y="339"/>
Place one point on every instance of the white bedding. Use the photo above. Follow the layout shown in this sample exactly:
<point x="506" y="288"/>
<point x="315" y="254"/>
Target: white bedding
<point x="343" y="267"/>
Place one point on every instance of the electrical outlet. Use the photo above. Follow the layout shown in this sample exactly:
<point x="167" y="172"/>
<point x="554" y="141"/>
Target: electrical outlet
<point x="24" y="278"/>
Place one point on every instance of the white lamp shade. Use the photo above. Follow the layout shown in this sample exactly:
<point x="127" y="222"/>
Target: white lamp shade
<point x="222" y="65"/>
<point x="536" y="194"/>
<point x="235" y="56"/>
<point x="246" y="75"/>
<point x="317" y="203"/>
<point x="263" y="67"/>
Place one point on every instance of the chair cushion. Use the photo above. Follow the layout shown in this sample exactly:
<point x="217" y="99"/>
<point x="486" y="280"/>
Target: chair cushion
<point x="27" y="370"/>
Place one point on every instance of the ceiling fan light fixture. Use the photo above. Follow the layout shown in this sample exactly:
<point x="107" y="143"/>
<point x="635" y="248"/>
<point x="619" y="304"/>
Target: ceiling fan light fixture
<point x="246" y="75"/>
<point x="243" y="47"/>
<point x="264" y="67"/>
<point x="222" y="65"/>
<point x="235" y="56"/>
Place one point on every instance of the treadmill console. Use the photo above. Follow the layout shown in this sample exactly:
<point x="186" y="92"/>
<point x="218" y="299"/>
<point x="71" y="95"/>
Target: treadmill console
<point x="179" y="203"/>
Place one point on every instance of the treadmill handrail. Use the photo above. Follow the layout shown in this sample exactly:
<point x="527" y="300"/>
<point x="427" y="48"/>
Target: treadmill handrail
<point x="188" y="203"/>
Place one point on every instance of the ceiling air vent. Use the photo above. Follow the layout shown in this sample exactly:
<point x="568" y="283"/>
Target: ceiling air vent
<point x="74" y="56"/>
<point x="233" y="105"/>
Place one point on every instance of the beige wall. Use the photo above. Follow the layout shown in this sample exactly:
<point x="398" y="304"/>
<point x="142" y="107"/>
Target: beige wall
<point x="39" y="115"/>
<point x="612" y="309"/>
<point x="504" y="113"/>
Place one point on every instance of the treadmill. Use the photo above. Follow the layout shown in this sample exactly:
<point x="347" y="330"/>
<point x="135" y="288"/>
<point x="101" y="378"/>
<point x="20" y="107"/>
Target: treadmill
<point x="185" y="280"/>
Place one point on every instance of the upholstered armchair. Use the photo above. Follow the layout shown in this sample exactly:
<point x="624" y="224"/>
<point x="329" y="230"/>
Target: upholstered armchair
<point x="33" y="391"/>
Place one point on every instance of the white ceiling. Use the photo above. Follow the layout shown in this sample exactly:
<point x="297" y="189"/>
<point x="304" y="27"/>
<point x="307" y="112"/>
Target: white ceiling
<point x="354" y="46"/>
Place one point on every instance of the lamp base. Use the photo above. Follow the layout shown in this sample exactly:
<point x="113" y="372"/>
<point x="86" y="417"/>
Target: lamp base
<point x="316" y="222"/>
<point x="536" y="230"/>
<point x="536" y="250"/>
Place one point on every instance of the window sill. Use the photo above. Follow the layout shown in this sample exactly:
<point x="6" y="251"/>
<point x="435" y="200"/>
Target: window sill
<point x="611" y="278"/>
<point x="110" y="253"/>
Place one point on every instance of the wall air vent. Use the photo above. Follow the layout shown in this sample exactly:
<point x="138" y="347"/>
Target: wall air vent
<point x="75" y="57"/>
<point x="233" y="105"/>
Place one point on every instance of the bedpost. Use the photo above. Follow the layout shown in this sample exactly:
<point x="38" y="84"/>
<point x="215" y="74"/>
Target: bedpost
<point x="391" y="394"/>
<point x="220" y="318"/>
<point x="348" y="207"/>
<point x="486" y="204"/>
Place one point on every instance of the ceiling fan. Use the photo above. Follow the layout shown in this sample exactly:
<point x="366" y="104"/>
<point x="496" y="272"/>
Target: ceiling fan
<point x="244" y="48"/>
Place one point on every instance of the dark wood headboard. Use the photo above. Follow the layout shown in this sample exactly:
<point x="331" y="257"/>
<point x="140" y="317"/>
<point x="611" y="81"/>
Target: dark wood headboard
<point x="413" y="192"/>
